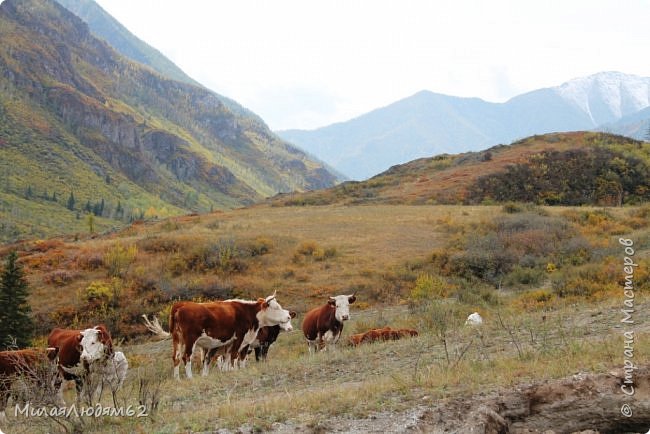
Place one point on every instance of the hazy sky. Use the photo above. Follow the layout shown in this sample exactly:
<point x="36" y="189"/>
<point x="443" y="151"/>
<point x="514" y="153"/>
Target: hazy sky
<point x="304" y="64"/>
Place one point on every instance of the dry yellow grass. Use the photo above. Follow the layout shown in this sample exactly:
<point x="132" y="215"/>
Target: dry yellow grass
<point x="368" y="241"/>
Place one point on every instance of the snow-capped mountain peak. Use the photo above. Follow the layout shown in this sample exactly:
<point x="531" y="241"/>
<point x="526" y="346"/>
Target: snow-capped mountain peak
<point x="607" y="96"/>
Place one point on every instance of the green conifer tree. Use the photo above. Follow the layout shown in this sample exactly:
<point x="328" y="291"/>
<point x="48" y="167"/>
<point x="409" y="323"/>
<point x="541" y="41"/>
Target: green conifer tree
<point x="16" y="326"/>
<point x="71" y="202"/>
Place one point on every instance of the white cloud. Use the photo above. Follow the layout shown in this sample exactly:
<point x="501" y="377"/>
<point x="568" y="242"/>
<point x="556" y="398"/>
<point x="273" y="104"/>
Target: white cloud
<point x="303" y="64"/>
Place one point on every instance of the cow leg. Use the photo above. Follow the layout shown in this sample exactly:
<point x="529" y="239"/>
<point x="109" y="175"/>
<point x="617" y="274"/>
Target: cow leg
<point x="187" y="359"/>
<point x="4" y="397"/>
<point x="59" y="396"/>
<point x="242" y="358"/>
<point x="79" y="386"/>
<point x="313" y="346"/>
<point x="263" y="351"/>
<point x="176" y="357"/>
<point x="206" y="359"/>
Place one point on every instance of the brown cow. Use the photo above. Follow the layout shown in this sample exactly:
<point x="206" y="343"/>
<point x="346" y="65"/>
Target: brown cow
<point x="78" y="349"/>
<point x="207" y="326"/>
<point x="31" y="365"/>
<point x="382" y="334"/>
<point x="323" y="325"/>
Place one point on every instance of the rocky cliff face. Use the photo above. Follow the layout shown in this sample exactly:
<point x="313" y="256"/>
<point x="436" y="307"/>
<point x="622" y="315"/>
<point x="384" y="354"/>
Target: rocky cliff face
<point x="173" y="140"/>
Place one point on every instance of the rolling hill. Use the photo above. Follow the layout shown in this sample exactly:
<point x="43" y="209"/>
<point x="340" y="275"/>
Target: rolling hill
<point x="561" y="168"/>
<point x="85" y="130"/>
<point x="429" y="123"/>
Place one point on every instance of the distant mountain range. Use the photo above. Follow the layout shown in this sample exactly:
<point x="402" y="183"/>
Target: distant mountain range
<point x="428" y="123"/>
<point x="85" y="130"/>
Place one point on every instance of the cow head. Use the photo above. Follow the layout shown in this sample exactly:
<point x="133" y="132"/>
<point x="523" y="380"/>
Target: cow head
<point x="272" y="313"/>
<point x="96" y="344"/>
<point x="342" y="305"/>
<point x="286" y="326"/>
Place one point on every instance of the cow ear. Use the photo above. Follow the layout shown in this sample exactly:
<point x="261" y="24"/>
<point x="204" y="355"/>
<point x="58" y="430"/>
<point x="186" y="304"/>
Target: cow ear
<point x="80" y="336"/>
<point x="292" y="314"/>
<point x="264" y="303"/>
<point x="331" y="301"/>
<point x="352" y="298"/>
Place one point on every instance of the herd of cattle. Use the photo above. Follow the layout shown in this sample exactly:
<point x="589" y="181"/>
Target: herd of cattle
<point x="224" y="332"/>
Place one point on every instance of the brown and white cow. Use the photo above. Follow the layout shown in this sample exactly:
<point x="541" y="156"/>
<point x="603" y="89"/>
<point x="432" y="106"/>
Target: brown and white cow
<point x="32" y="366"/>
<point x="323" y="325"/>
<point x="232" y="324"/>
<point x="79" y="349"/>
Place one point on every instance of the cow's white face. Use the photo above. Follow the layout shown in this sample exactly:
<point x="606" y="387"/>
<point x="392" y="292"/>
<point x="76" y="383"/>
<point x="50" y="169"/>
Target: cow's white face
<point x="286" y="326"/>
<point x="92" y="348"/>
<point x="273" y="313"/>
<point x="342" y="304"/>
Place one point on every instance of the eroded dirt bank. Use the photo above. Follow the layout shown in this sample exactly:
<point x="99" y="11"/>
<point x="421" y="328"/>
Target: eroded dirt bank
<point x="582" y="403"/>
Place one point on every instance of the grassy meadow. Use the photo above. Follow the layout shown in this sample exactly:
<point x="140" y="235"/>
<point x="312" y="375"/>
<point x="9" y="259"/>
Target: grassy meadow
<point x="547" y="280"/>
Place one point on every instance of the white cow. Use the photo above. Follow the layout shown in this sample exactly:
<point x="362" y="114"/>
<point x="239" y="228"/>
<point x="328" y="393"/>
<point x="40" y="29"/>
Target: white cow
<point x="111" y="373"/>
<point x="114" y="371"/>
<point x="474" y="319"/>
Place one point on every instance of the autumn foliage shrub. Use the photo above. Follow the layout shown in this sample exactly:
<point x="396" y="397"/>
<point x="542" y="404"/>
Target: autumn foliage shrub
<point x="223" y="256"/>
<point x="310" y="250"/>
<point x="119" y="258"/>
<point x="535" y="300"/>
<point x="45" y="245"/>
<point x="89" y="260"/>
<point x="208" y="289"/>
<point x="259" y="246"/>
<point x="59" y="277"/>
<point x="517" y="245"/>
<point x="97" y="292"/>
<point x="158" y="244"/>
<point x="428" y="287"/>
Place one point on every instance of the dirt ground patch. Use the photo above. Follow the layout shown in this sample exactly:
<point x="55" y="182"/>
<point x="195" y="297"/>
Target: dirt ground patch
<point x="582" y="403"/>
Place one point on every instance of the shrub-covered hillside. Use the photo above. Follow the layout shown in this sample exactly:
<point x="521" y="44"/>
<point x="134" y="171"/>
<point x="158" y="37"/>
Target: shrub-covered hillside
<point x="581" y="168"/>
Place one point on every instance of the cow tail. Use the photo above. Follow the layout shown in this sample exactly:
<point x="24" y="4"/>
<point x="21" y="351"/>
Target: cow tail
<point x="155" y="327"/>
